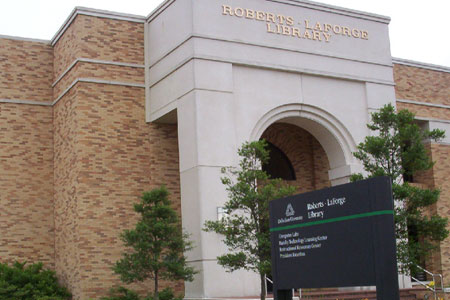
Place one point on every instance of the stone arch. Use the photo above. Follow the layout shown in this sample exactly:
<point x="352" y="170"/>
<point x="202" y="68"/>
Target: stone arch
<point x="333" y="136"/>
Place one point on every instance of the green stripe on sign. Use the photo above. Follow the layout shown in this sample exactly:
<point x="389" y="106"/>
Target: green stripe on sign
<point x="338" y="219"/>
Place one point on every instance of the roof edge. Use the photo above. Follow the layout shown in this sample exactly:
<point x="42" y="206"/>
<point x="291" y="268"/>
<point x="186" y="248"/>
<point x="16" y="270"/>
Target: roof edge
<point x="302" y="3"/>
<point x="418" y="64"/>
<point x="160" y="8"/>
<point x="79" y="10"/>
<point x="19" y="38"/>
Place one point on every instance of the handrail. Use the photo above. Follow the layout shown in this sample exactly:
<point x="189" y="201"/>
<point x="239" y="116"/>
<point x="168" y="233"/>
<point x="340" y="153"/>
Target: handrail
<point x="433" y="276"/>
<point x="420" y="282"/>
<point x="433" y="289"/>
<point x="271" y="281"/>
<point x="267" y="280"/>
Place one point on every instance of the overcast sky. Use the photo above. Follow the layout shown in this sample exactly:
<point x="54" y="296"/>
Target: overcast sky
<point x="418" y="30"/>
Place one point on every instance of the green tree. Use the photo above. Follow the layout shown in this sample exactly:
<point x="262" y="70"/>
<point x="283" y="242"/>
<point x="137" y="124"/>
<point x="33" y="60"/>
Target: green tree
<point x="245" y="226"/>
<point x="158" y="244"/>
<point x="397" y="150"/>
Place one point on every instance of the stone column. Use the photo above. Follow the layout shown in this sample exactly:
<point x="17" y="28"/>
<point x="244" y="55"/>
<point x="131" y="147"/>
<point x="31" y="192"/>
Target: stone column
<point x="207" y="142"/>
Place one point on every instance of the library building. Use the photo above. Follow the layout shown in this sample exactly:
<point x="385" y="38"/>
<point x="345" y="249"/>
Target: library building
<point x="117" y="104"/>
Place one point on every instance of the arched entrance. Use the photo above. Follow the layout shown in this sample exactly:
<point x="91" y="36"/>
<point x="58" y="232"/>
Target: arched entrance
<point x="306" y="159"/>
<point x="317" y="143"/>
<point x="313" y="143"/>
<point x="297" y="157"/>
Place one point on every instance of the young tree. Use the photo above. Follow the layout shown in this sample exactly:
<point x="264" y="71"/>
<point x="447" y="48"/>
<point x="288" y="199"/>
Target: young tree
<point x="158" y="243"/>
<point x="397" y="151"/>
<point x="245" y="226"/>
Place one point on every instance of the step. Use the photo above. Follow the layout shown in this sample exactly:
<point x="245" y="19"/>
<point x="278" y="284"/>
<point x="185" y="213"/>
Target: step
<point x="351" y="295"/>
<point x="336" y="294"/>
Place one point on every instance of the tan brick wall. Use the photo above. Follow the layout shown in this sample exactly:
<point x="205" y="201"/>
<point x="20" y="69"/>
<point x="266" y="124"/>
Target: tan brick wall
<point x="120" y="156"/>
<point x="26" y="184"/>
<point x="26" y="70"/>
<point x="112" y="155"/>
<point x="99" y="38"/>
<point x="105" y="157"/>
<point x="425" y="179"/>
<point x="112" y="40"/>
<point x="307" y="156"/>
<point x="321" y="165"/>
<point x="421" y="84"/>
<point x="441" y="175"/>
<point x="66" y="161"/>
<point x="426" y="111"/>
<point x="67" y="48"/>
<point x="101" y="72"/>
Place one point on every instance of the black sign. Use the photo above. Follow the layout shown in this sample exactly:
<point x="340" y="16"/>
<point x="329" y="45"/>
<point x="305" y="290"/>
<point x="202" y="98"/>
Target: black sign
<point x="336" y="237"/>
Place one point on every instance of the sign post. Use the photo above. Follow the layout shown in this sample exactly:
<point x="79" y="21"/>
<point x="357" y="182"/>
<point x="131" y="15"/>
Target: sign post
<point x="337" y="237"/>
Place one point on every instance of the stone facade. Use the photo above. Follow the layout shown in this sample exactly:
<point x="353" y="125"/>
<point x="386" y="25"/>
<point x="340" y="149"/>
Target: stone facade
<point x="76" y="150"/>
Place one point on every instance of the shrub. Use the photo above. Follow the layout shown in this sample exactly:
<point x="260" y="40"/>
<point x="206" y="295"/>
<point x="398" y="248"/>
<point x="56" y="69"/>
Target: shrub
<point x="122" y="293"/>
<point x="33" y="282"/>
<point x="165" y="294"/>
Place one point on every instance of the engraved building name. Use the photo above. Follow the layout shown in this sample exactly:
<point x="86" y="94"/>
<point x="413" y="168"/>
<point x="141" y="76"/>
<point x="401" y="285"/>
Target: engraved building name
<point x="296" y="28"/>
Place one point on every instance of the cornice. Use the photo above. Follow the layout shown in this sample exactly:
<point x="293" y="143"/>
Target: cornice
<point x="63" y="93"/>
<point x="301" y="3"/>
<point x="95" y="61"/>
<point x="417" y="64"/>
<point x="95" y="80"/>
<point x="432" y="120"/>
<point x="19" y="38"/>
<point x="95" y="13"/>
<point x="159" y="9"/>
<point x="29" y="102"/>
<point x="422" y="103"/>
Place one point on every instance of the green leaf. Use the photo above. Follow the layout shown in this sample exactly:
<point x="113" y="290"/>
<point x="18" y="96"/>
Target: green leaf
<point x="22" y="281"/>
<point x="156" y="246"/>
<point x="245" y="227"/>
<point x="397" y="150"/>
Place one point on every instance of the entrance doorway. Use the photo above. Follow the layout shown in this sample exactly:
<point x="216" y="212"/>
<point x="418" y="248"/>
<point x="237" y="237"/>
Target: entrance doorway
<point x="297" y="157"/>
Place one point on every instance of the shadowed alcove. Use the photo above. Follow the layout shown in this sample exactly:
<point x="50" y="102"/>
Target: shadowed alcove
<point x="297" y="157"/>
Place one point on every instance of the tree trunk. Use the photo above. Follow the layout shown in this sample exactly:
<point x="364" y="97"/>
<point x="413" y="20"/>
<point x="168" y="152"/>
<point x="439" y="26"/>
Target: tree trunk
<point x="156" y="295"/>
<point x="263" y="286"/>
